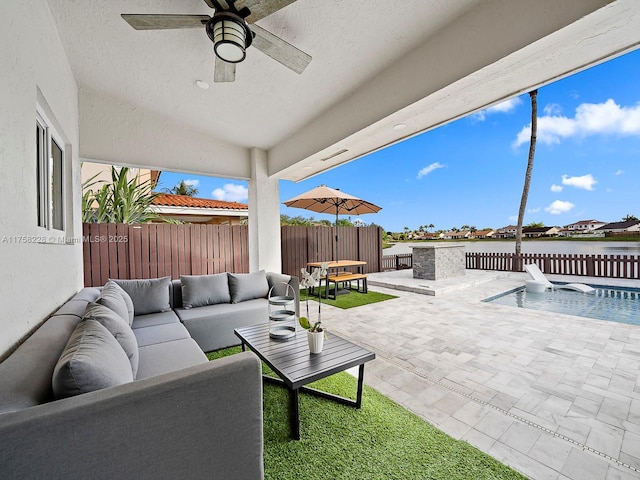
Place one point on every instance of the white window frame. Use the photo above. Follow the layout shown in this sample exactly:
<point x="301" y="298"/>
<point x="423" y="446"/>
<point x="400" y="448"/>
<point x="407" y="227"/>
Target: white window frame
<point x="46" y="136"/>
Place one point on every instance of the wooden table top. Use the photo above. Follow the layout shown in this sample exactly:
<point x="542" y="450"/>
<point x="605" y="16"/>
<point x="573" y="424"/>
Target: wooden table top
<point x="339" y="263"/>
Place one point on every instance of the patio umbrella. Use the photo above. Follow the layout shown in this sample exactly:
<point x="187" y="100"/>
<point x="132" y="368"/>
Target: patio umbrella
<point x="323" y="199"/>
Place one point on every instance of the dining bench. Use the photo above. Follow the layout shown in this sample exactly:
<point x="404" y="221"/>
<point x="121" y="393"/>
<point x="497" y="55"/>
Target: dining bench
<point x="345" y="278"/>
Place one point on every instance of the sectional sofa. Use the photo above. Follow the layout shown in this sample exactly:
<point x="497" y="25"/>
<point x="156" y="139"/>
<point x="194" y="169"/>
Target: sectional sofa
<point x="115" y="385"/>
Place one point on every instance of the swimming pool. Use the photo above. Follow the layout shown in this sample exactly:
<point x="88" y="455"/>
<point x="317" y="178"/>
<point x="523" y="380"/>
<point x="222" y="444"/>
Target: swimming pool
<point x="617" y="304"/>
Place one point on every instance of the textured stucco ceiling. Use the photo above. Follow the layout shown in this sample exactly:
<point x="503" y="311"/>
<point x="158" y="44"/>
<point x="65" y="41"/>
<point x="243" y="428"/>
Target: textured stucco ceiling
<point x="375" y="63"/>
<point x="156" y="70"/>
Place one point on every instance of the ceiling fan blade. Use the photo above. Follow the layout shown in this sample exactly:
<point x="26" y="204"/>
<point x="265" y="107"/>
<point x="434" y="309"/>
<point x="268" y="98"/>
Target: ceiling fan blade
<point x="161" y="22"/>
<point x="281" y="51"/>
<point x="224" y="71"/>
<point x="261" y="8"/>
<point x="210" y="4"/>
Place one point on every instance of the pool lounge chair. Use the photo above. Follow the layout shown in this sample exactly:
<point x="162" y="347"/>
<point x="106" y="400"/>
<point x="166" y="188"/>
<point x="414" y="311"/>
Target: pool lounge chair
<point x="536" y="274"/>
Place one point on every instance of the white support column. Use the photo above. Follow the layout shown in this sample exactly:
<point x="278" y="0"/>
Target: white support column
<point x="264" y="216"/>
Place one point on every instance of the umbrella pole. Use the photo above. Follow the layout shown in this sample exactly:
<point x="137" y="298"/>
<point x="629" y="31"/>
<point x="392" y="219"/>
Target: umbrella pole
<point x="337" y="256"/>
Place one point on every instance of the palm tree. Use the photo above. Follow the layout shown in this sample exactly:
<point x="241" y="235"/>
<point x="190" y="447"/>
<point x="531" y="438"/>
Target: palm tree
<point x="431" y="225"/>
<point x="630" y="218"/>
<point x="121" y="201"/>
<point x="527" y="176"/>
<point x="182" y="189"/>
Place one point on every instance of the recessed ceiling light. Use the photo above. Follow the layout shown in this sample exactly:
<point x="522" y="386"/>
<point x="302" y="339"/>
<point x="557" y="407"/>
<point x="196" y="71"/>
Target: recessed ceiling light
<point x="202" y="85"/>
<point x="399" y="126"/>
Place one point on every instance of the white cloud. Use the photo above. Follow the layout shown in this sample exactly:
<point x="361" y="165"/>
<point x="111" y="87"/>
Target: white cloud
<point x="513" y="218"/>
<point x="590" y="119"/>
<point x="231" y="192"/>
<point x="534" y="210"/>
<point x="620" y="172"/>
<point x="502" y="107"/>
<point x="556" y="188"/>
<point x="552" y="109"/>
<point x="585" y="182"/>
<point x="192" y="183"/>
<point x="558" y="207"/>
<point x="427" y="170"/>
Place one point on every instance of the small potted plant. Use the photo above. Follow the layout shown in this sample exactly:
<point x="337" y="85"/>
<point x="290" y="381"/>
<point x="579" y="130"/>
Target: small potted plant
<point x="315" y="332"/>
<point x="315" y="335"/>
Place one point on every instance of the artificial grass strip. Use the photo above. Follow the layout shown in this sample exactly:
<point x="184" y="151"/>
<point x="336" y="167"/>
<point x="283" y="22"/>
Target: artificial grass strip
<point x="382" y="441"/>
<point x="350" y="300"/>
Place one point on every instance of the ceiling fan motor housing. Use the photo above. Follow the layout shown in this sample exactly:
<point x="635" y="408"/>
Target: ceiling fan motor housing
<point x="230" y="35"/>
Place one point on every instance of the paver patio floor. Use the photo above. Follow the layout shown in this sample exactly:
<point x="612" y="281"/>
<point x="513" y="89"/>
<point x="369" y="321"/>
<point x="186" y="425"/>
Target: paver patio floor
<point x="554" y="396"/>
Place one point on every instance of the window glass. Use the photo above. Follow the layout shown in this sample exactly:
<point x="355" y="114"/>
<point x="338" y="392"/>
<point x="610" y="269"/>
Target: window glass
<point x="56" y="196"/>
<point x="49" y="177"/>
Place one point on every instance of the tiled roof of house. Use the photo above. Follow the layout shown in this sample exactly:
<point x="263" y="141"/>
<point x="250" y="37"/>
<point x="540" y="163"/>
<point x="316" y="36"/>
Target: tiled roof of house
<point x="586" y="222"/>
<point x="619" y="225"/>
<point x="536" y="229"/>
<point x="170" y="200"/>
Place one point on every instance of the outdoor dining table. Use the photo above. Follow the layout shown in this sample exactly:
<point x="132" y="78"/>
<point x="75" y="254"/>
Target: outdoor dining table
<point x="337" y="266"/>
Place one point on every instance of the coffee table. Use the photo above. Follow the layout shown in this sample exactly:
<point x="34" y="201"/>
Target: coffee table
<point x="296" y="367"/>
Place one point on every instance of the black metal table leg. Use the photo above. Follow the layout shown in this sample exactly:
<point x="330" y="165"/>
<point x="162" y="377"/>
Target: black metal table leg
<point x="294" y="414"/>
<point x="360" y="386"/>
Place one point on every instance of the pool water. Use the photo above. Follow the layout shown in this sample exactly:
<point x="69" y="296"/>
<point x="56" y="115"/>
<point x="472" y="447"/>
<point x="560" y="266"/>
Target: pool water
<point x="614" y="304"/>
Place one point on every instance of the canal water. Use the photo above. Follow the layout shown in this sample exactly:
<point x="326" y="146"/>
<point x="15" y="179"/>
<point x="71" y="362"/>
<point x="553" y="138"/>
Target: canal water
<point x="537" y="246"/>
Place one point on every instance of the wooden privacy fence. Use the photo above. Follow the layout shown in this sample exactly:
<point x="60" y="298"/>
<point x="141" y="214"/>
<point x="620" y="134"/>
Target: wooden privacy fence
<point x="612" y="266"/>
<point x="158" y="250"/>
<point x="301" y="245"/>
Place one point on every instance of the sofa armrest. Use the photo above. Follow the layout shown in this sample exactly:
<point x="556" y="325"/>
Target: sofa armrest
<point x="201" y="422"/>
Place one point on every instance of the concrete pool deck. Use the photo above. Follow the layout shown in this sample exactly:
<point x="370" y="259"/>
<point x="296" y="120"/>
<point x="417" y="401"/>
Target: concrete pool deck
<point x="554" y="396"/>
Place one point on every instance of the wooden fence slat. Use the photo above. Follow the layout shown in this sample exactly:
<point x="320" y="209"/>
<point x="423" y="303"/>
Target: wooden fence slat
<point x="158" y="250"/>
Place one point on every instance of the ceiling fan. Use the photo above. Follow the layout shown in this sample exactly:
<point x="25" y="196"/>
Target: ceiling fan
<point x="231" y="34"/>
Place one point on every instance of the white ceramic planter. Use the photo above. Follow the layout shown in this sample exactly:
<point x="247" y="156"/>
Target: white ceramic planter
<point x="316" y="341"/>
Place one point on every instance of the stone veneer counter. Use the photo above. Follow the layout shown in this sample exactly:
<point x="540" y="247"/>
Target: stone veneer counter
<point x="438" y="261"/>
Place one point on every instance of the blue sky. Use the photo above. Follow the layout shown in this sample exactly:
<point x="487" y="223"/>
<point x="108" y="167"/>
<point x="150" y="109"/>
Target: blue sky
<point x="471" y="171"/>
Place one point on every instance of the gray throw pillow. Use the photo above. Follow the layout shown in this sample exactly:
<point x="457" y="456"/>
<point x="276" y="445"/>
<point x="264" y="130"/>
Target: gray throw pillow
<point x="125" y="296"/>
<point x="201" y="290"/>
<point x="280" y="282"/>
<point x="119" y="328"/>
<point x="149" y="295"/>
<point x="247" y="286"/>
<point x="92" y="360"/>
<point x="112" y="299"/>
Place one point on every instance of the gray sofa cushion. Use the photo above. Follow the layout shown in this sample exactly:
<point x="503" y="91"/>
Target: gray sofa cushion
<point x="25" y="376"/>
<point x="125" y="296"/>
<point x="111" y="298"/>
<point x="279" y="282"/>
<point x="119" y="328"/>
<point x="160" y="334"/>
<point x="201" y="290"/>
<point x="168" y="357"/>
<point x="247" y="286"/>
<point x="212" y="326"/>
<point x="92" y="360"/>
<point x="149" y="295"/>
<point x="153" y="319"/>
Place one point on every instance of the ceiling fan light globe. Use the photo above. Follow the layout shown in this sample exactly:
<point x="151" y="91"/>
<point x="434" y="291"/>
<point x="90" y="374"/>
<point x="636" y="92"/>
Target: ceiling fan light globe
<point x="230" y="35"/>
<point x="230" y="52"/>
